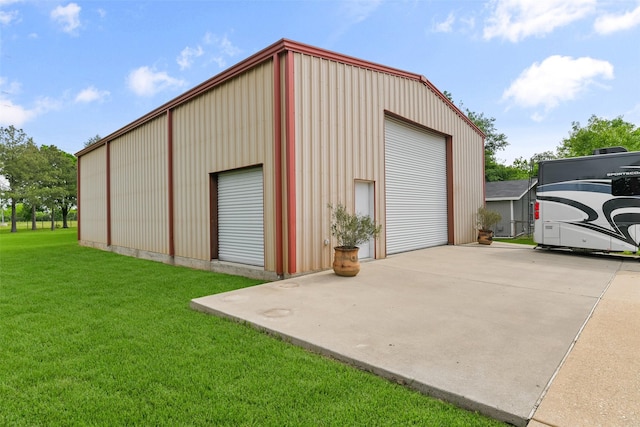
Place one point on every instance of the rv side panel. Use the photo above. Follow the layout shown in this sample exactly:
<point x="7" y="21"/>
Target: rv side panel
<point x="590" y="203"/>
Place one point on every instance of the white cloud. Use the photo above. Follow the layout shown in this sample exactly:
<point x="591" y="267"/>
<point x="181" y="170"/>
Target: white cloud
<point x="12" y="114"/>
<point x="7" y="17"/>
<point x="555" y="80"/>
<point x="470" y="23"/>
<point x="515" y="20"/>
<point x="91" y="94"/>
<point x="68" y="16"/>
<point x="445" y="26"/>
<point x="350" y="13"/>
<point x="145" y="81"/>
<point x="45" y="104"/>
<point x="188" y="54"/>
<point x="223" y="49"/>
<point x="4" y="3"/>
<point x="12" y="88"/>
<point x="17" y="115"/>
<point x="610" y="23"/>
<point x="102" y="12"/>
<point x="226" y="47"/>
<point x="359" y="10"/>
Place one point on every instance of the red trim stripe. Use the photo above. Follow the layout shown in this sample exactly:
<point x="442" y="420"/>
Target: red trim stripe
<point x="291" y="162"/>
<point x="108" y="194"/>
<point x="277" y="150"/>
<point x="451" y="235"/>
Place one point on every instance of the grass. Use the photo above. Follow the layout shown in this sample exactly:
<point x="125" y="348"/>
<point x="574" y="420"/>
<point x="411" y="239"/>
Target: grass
<point x="529" y="241"/>
<point x="518" y="240"/>
<point x="93" y="338"/>
<point x="26" y="225"/>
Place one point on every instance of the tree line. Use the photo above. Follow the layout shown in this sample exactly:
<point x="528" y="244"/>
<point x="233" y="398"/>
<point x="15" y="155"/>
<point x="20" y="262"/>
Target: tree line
<point x="40" y="177"/>
<point x="582" y="141"/>
<point x="45" y="178"/>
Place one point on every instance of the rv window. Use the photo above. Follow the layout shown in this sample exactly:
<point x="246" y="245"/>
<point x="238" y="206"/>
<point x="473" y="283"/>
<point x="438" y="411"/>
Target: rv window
<point x="626" y="186"/>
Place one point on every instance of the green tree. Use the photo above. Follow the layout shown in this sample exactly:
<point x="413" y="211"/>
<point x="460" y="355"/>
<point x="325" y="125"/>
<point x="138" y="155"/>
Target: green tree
<point x="522" y="168"/>
<point x="35" y="176"/>
<point x="16" y="149"/>
<point x="494" y="141"/>
<point x="599" y="133"/>
<point x="92" y="140"/>
<point x="59" y="184"/>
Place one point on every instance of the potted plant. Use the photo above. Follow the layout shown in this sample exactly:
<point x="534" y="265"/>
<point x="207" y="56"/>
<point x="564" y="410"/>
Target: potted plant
<point x="486" y="220"/>
<point x="350" y="230"/>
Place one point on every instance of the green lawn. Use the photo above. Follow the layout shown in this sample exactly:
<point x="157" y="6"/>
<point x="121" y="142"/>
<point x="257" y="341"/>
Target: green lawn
<point x="529" y="241"/>
<point x="92" y="338"/>
<point x="519" y="240"/>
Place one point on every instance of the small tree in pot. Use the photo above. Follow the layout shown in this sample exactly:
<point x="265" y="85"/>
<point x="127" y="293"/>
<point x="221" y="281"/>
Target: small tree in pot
<point x="486" y="220"/>
<point x="350" y="230"/>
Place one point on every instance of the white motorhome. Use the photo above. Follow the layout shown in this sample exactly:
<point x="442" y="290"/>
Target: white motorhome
<point x="589" y="203"/>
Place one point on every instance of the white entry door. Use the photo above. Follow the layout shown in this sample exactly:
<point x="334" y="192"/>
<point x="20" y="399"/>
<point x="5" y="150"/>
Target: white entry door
<point x="364" y="206"/>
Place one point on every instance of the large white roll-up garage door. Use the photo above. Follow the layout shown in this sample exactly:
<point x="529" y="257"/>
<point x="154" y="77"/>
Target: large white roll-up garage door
<point x="241" y="216"/>
<point x="416" y="188"/>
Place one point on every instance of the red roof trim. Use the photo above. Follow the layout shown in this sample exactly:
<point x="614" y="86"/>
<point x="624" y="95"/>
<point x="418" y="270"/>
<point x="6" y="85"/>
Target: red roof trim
<point x="266" y="54"/>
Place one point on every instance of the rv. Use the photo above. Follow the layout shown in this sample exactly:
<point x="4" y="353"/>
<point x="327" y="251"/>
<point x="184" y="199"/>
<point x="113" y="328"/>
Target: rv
<point x="589" y="203"/>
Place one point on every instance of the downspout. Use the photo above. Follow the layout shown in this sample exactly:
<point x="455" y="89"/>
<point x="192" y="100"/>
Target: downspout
<point x="277" y="149"/>
<point x="108" y="193"/>
<point x="172" y="250"/>
<point x="290" y="162"/>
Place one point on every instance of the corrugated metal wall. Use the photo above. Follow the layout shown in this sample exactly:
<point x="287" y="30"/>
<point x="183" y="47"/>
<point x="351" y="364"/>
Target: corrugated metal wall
<point x="503" y="207"/>
<point x="340" y="112"/>
<point x="139" y="188"/>
<point x="93" y="196"/>
<point x="228" y="127"/>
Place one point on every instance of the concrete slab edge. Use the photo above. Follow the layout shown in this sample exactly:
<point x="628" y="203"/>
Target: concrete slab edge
<point x="455" y="399"/>
<point x="571" y="346"/>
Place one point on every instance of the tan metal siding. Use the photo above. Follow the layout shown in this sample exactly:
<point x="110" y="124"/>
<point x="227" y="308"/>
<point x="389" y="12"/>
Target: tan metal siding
<point x="93" y="196"/>
<point x="339" y="126"/>
<point x="139" y="188"/>
<point x="468" y="181"/>
<point x="228" y="127"/>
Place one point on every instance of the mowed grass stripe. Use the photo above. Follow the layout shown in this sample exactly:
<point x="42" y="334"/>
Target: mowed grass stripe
<point x="93" y="338"/>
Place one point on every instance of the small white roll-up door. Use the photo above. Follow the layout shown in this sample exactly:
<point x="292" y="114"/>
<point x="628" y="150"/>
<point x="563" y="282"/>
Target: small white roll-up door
<point x="416" y="188"/>
<point x="241" y="217"/>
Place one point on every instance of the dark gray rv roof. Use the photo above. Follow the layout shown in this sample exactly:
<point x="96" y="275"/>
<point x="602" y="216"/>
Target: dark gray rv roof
<point x="600" y="166"/>
<point x="508" y="190"/>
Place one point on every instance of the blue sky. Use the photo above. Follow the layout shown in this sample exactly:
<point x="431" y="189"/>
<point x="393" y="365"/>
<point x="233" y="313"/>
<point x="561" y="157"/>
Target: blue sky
<point x="71" y="70"/>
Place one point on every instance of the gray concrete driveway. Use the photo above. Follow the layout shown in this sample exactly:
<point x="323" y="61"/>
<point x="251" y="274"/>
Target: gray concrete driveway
<point x="484" y="327"/>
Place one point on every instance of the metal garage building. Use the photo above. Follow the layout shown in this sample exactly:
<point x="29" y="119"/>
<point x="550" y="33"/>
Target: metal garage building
<point x="236" y="174"/>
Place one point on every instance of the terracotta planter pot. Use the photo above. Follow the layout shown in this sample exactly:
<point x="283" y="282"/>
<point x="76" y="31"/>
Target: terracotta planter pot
<point x="346" y="262"/>
<point x="485" y="237"/>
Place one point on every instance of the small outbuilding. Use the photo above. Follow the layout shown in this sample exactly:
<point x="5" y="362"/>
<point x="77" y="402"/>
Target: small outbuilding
<point x="236" y="174"/>
<point x="514" y="201"/>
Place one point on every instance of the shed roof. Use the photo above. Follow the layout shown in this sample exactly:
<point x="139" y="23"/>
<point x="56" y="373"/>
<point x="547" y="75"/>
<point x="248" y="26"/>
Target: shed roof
<point x="283" y="45"/>
<point x="508" y="190"/>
